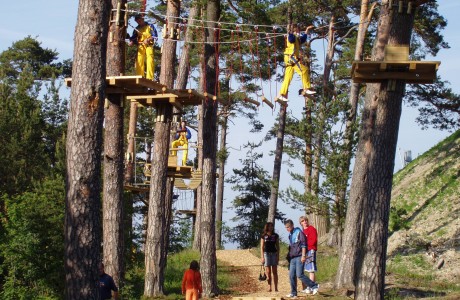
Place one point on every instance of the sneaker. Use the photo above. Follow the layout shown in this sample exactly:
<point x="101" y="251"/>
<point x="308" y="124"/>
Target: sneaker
<point x="307" y="291"/>
<point x="304" y="92"/>
<point x="282" y="99"/>
<point x="291" y="296"/>
<point x="314" y="290"/>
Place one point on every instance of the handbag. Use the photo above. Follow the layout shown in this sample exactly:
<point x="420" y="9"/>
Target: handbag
<point x="264" y="276"/>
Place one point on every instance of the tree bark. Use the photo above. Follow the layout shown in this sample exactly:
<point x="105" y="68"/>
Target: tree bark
<point x="348" y="252"/>
<point x="198" y="193"/>
<point x="221" y="179"/>
<point x="208" y="208"/>
<point x="322" y="114"/>
<point x="112" y="209"/>
<point x="378" y="149"/>
<point x="131" y="152"/>
<point x="155" y="249"/>
<point x="184" y="67"/>
<point x="83" y="150"/>
<point x="279" y="150"/>
<point x="168" y="219"/>
<point x="308" y="146"/>
<point x="350" y="131"/>
<point x="277" y="165"/>
<point x="316" y="212"/>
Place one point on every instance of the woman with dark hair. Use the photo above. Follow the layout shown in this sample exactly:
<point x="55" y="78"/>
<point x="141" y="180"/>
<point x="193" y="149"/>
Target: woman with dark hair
<point x="270" y="254"/>
<point x="191" y="283"/>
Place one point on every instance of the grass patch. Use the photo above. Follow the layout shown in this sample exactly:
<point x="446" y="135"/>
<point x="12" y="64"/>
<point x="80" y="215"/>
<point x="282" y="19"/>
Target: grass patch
<point x="415" y="271"/>
<point x="327" y="261"/>
<point x="177" y="264"/>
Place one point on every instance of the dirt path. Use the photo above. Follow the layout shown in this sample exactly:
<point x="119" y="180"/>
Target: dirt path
<point x="248" y="267"/>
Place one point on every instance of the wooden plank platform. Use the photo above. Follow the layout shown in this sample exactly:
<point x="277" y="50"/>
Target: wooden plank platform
<point x="137" y="188"/>
<point x="149" y="93"/>
<point x="132" y="85"/>
<point x="180" y="171"/>
<point x="408" y="71"/>
<point x="186" y="212"/>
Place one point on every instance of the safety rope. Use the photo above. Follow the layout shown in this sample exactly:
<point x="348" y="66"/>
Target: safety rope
<point x="216" y="51"/>
<point x="258" y="65"/>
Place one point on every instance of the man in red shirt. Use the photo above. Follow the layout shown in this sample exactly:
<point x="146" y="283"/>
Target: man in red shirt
<point x="312" y="246"/>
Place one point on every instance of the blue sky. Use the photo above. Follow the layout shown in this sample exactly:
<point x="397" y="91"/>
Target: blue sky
<point x="53" y="23"/>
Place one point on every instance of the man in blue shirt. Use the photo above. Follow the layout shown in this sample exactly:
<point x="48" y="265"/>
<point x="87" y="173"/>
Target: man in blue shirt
<point x="106" y="285"/>
<point x="297" y="256"/>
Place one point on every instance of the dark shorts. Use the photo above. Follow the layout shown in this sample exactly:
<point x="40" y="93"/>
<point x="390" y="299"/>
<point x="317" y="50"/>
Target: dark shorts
<point x="271" y="259"/>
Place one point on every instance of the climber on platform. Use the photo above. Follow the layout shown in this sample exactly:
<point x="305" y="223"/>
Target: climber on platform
<point x="144" y="36"/>
<point x="183" y="134"/>
<point x="293" y="63"/>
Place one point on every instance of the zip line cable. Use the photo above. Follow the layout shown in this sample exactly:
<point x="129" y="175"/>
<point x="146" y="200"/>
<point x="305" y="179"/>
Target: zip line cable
<point x="239" y="25"/>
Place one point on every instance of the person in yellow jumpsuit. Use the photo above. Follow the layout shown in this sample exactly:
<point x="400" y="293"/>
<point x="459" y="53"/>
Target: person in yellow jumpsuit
<point x="144" y="36"/>
<point x="183" y="134"/>
<point x="293" y="63"/>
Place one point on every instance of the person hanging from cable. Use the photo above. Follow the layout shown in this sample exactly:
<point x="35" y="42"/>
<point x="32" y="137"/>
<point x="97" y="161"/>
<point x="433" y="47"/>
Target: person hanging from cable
<point x="183" y="134"/>
<point x="292" y="61"/>
<point x="144" y="36"/>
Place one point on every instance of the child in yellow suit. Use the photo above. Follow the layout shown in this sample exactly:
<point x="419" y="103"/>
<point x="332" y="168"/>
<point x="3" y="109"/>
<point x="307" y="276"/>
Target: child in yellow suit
<point x="144" y="37"/>
<point x="183" y="134"/>
<point x="293" y="63"/>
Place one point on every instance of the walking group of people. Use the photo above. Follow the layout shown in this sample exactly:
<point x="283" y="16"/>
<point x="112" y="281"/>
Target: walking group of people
<point x="303" y="245"/>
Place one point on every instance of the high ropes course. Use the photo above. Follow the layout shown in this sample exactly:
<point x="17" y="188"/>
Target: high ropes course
<point x="148" y="93"/>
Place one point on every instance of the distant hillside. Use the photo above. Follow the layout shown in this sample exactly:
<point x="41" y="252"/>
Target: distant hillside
<point x="425" y="216"/>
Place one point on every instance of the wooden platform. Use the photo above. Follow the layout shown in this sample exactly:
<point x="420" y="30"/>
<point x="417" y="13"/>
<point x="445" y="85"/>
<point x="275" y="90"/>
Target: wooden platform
<point x="180" y="171"/>
<point x="408" y="71"/>
<point x="129" y="85"/>
<point x="173" y="171"/>
<point x="144" y="188"/>
<point x="149" y="93"/>
<point x="187" y="212"/>
<point x="195" y="181"/>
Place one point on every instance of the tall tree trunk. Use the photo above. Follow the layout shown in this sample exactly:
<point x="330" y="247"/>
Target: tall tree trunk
<point x="198" y="193"/>
<point x="155" y="249"/>
<point x="316" y="212"/>
<point x="184" y="67"/>
<point x="208" y="209"/>
<point x="223" y="154"/>
<point x="83" y="150"/>
<point x="196" y="245"/>
<point x="308" y="146"/>
<point x="350" y="131"/>
<point x="181" y="83"/>
<point x="348" y="252"/>
<point x="378" y="149"/>
<point x="279" y="149"/>
<point x="322" y="114"/>
<point x="277" y="165"/>
<point x="131" y="151"/>
<point x="168" y="218"/>
<point x="112" y="209"/>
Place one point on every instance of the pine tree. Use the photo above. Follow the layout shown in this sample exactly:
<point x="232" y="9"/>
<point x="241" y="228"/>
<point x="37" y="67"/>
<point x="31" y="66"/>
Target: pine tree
<point x="83" y="151"/>
<point x="33" y="245"/>
<point x="251" y="205"/>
